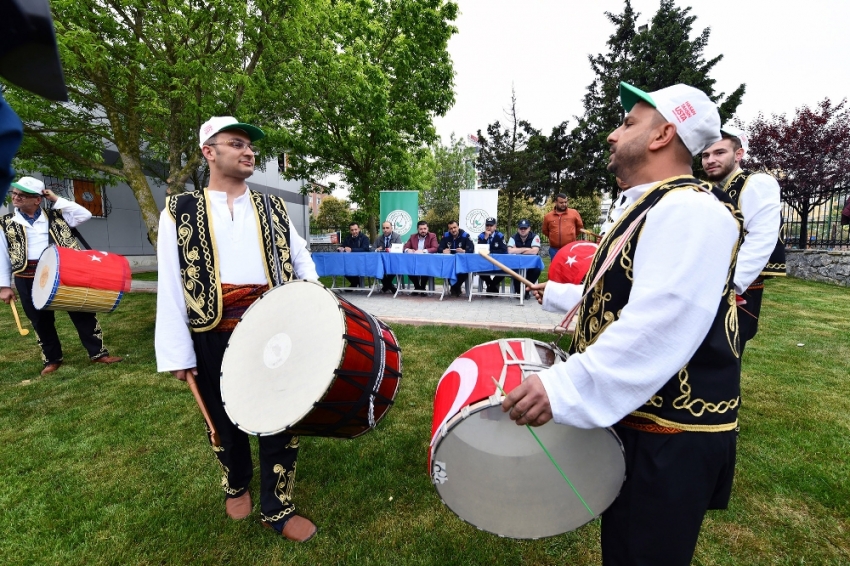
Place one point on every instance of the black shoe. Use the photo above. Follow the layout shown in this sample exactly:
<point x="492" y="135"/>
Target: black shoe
<point x="393" y="289"/>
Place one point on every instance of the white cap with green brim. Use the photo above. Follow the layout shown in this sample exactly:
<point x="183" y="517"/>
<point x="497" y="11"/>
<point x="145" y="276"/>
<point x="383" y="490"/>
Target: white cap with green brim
<point x="693" y="113"/>
<point x="29" y="185"/>
<point x="218" y="124"/>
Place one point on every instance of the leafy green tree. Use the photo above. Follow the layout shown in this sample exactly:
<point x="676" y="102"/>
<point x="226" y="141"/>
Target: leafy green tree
<point x="365" y="93"/>
<point x="524" y="208"/>
<point x="506" y="162"/>
<point x="334" y="214"/>
<point x="142" y="77"/>
<point x="658" y="57"/>
<point x="452" y="169"/>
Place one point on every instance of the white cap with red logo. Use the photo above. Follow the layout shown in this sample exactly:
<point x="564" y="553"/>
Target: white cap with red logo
<point x="693" y="113"/>
<point x="217" y="124"/>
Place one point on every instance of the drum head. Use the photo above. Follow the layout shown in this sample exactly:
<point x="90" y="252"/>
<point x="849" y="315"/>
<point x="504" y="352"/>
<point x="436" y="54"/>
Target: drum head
<point x="494" y="475"/>
<point x="46" y="280"/>
<point x="281" y="357"/>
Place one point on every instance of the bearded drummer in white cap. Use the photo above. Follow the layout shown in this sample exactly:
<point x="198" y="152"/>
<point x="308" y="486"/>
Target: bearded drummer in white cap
<point x="655" y="351"/>
<point x="758" y="196"/>
<point x="214" y="256"/>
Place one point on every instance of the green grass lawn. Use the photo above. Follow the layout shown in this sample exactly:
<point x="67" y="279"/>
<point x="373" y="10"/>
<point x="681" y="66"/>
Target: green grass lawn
<point x="108" y="465"/>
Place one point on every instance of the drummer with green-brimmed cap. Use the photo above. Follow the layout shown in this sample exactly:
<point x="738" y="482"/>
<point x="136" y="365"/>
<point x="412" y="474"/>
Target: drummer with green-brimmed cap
<point x="217" y="254"/>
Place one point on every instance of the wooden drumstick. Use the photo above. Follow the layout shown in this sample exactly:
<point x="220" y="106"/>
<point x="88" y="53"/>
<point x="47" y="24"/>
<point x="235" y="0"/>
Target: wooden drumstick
<point x="589" y="233"/>
<point x="21" y="329"/>
<point x="506" y="269"/>
<point x="190" y="379"/>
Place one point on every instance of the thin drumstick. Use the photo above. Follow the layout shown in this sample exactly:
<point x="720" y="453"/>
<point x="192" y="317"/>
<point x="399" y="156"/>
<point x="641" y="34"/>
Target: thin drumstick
<point x="551" y="458"/>
<point x="21" y="329"/>
<point x="190" y="379"/>
<point x="506" y="269"/>
<point x="589" y="233"/>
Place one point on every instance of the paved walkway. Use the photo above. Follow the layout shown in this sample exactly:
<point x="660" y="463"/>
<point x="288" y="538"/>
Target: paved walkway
<point x="481" y="312"/>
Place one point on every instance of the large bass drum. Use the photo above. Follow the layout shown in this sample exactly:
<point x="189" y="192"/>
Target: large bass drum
<point x="305" y="361"/>
<point x="492" y="473"/>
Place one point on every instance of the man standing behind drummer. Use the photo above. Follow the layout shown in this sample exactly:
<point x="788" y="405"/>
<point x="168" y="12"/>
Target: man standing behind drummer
<point x="655" y="353"/>
<point x="216" y="256"/>
<point x="758" y="196"/>
<point x="24" y="235"/>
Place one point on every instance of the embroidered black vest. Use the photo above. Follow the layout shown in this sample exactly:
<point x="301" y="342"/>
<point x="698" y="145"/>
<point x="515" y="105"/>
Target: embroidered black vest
<point x="704" y="395"/>
<point x="199" y="257"/>
<point x="58" y="232"/>
<point x="776" y="263"/>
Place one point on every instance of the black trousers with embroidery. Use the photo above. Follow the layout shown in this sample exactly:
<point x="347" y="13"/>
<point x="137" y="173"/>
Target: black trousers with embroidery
<point x="44" y="323"/>
<point x="278" y="453"/>
<point x="671" y="481"/>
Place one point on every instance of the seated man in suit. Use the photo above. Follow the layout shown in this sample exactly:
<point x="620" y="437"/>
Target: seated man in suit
<point x="456" y="241"/>
<point x="422" y="242"/>
<point x="382" y="244"/>
<point x="354" y="242"/>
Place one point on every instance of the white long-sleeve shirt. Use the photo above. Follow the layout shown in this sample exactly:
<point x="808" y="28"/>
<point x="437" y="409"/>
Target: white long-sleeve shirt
<point x="680" y="267"/>
<point x="761" y="206"/>
<point x="37" y="234"/>
<point x="240" y="262"/>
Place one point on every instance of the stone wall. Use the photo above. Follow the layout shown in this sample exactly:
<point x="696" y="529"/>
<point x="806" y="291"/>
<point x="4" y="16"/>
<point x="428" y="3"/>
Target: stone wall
<point x="819" y="265"/>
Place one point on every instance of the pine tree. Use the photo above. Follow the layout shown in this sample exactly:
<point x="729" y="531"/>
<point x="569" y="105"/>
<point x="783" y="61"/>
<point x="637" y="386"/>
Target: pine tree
<point x="658" y="57"/>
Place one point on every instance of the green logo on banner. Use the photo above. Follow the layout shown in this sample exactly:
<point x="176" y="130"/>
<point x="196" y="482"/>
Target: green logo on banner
<point x="475" y="220"/>
<point x="400" y="220"/>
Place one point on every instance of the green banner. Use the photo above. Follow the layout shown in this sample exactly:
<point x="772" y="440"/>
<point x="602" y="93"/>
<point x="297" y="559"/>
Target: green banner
<point x="401" y="209"/>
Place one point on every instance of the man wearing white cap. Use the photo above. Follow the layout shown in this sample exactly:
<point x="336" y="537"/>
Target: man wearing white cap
<point x="655" y="350"/>
<point x="758" y="196"/>
<point x="215" y="258"/>
<point x="24" y="235"/>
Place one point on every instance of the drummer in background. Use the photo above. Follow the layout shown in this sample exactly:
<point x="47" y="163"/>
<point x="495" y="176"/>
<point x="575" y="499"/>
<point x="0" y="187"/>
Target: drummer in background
<point x="657" y="358"/>
<point x="24" y="235"/>
<point x="758" y="196"/>
<point x="191" y="335"/>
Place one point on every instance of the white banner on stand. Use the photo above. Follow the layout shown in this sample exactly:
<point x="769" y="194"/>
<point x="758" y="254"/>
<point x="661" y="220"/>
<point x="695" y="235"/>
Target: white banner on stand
<point x="476" y="207"/>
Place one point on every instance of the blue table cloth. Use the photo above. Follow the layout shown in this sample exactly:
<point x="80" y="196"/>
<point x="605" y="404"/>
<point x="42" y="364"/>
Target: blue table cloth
<point x="430" y="265"/>
<point x="364" y="264"/>
<point x="474" y="263"/>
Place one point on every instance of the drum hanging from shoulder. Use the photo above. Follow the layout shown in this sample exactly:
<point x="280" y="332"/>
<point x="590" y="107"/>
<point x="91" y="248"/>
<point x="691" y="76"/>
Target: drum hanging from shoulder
<point x="305" y="361"/>
<point x="492" y="473"/>
<point x="80" y="280"/>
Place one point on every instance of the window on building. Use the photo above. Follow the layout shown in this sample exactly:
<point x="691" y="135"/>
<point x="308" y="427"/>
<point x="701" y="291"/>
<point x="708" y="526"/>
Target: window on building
<point x="84" y="192"/>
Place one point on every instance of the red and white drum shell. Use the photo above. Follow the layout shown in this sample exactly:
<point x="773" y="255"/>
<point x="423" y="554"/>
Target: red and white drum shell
<point x="80" y="280"/>
<point x="492" y="473"/>
<point x="305" y="361"/>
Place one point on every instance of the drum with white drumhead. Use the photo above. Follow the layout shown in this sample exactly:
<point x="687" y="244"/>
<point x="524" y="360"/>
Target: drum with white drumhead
<point x="305" y="361"/>
<point x="493" y="473"/>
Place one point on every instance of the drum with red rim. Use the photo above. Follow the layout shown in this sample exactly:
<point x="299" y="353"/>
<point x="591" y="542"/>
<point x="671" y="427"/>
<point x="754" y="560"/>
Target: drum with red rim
<point x="305" y="361"/>
<point x="492" y="473"/>
<point x="80" y="280"/>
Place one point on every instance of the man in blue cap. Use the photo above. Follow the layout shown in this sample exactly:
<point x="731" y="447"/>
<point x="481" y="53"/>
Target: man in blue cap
<point x="528" y="243"/>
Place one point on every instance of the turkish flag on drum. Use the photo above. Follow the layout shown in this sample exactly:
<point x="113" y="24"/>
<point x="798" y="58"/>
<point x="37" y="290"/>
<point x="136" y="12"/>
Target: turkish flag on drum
<point x="470" y="379"/>
<point x="572" y="262"/>
<point x="94" y="270"/>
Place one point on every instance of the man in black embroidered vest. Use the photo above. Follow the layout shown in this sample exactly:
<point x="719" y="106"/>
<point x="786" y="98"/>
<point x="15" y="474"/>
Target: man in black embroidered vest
<point x="24" y="235"/>
<point x="655" y="350"/>
<point x="217" y="254"/>
<point x="758" y="196"/>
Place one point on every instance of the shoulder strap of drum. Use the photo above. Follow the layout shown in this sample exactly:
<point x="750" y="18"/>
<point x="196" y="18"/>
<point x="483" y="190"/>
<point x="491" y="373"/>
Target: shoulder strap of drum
<point x="278" y="277"/>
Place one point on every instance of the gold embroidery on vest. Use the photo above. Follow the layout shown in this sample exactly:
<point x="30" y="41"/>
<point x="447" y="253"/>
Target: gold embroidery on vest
<point x="655" y="401"/>
<point x="698" y="406"/>
<point x="193" y="290"/>
<point x="731" y="323"/>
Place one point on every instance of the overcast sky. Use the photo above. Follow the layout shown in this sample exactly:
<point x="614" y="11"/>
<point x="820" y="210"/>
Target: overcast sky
<point x="789" y="54"/>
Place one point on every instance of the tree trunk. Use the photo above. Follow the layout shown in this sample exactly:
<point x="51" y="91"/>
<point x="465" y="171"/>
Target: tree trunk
<point x="804" y="228"/>
<point x="141" y="190"/>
